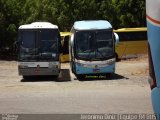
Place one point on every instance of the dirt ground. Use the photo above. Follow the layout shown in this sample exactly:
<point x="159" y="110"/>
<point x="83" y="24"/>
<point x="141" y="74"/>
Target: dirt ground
<point x="126" y="91"/>
<point x="134" y="66"/>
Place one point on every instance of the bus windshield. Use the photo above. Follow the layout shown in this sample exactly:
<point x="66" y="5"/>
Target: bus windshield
<point x="38" y="44"/>
<point x="94" y="45"/>
<point x="48" y="44"/>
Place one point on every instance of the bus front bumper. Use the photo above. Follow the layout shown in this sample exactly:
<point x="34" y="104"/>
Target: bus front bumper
<point x="38" y="71"/>
<point x="99" y="70"/>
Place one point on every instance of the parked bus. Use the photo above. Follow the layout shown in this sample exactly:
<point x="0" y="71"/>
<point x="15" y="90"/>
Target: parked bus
<point x="92" y="48"/>
<point x="39" y="49"/>
<point x="153" y="24"/>
<point x="132" y="41"/>
<point x="65" y="46"/>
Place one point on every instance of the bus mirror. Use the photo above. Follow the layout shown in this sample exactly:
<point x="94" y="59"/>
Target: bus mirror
<point x="15" y="46"/>
<point x="72" y="37"/>
<point x="116" y="38"/>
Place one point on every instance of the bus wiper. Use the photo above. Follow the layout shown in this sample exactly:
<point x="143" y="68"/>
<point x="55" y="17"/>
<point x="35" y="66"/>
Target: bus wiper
<point x="100" y="53"/>
<point x="89" y="55"/>
<point x="44" y="54"/>
<point x="47" y="55"/>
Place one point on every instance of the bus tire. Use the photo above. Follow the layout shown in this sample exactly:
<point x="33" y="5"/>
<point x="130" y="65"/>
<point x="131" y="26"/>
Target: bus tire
<point x="56" y="78"/>
<point x="80" y="77"/>
<point x="72" y="69"/>
<point x="26" y="77"/>
<point x="109" y="75"/>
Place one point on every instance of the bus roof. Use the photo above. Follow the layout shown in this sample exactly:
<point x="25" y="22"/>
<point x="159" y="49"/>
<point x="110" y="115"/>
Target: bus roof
<point x="65" y="33"/>
<point x="38" y="25"/>
<point x="92" y="24"/>
<point x="131" y="29"/>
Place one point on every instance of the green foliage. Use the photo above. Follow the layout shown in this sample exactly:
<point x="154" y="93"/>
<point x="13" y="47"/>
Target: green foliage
<point x="13" y="13"/>
<point x="131" y="13"/>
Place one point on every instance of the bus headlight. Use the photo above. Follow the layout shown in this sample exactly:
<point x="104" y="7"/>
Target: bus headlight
<point x="56" y="66"/>
<point x="22" y="66"/>
<point x="53" y="66"/>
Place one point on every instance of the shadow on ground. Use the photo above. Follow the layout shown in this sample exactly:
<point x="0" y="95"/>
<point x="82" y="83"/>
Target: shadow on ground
<point x="102" y="77"/>
<point x="64" y="76"/>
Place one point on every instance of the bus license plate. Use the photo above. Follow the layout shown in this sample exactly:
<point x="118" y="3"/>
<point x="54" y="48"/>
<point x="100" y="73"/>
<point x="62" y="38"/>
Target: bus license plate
<point x="96" y="70"/>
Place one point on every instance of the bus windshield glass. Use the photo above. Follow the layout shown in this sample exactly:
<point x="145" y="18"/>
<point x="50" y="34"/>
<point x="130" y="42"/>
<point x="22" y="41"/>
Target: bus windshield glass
<point x="94" y="45"/>
<point x="48" y="44"/>
<point x="38" y="44"/>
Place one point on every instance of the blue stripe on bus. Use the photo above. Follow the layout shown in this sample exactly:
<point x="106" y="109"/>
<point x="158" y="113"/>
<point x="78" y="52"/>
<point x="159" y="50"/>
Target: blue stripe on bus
<point x="155" y="94"/>
<point x="87" y="70"/>
<point x="154" y="41"/>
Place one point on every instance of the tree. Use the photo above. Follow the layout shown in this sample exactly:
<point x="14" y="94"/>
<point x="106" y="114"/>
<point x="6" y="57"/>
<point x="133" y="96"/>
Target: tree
<point x="120" y="13"/>
<point x="131" y="13"/>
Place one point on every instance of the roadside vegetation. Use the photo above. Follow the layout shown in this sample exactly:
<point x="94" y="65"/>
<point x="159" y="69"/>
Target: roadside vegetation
<point x="13" y="13"/>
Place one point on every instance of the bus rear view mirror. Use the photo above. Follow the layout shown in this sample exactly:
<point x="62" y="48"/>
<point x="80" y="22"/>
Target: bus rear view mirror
<point x="72" y="37"/>
<point x="116" y="38"/>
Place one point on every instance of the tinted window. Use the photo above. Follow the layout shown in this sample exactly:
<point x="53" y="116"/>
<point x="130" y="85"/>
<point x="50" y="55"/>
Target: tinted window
<point x="132" y="36"/>
<point x="94" y="44"/>
<point x="39" y="44"/>
<point x="28" y="39"/>
<point x="48" y="40"/>
<point x="105" y="44"/>
<point x="49" y="34"/>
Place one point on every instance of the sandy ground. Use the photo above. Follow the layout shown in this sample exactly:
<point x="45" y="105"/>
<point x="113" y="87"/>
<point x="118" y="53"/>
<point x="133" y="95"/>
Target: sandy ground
<point x="136" y="66"/>
<point x="127" y="91"/>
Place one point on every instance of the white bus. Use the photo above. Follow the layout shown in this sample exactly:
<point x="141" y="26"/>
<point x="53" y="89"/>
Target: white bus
<point x="92" y="48"/>
<point x="39" y="49"/>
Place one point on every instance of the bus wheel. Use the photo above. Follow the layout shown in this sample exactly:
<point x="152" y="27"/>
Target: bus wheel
<point x="56" y="78"/>
<point x="72" y="69"/>
<point x="26" y="77"/>
<point x="80" y="77"/>
<point x="108" y="75"/>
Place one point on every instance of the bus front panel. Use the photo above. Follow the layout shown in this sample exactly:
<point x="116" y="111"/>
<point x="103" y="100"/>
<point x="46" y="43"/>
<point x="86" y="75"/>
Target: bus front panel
<point x="38" y="68"/>
<point x="38" y="51"/>
<point x="96" y="67"/>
